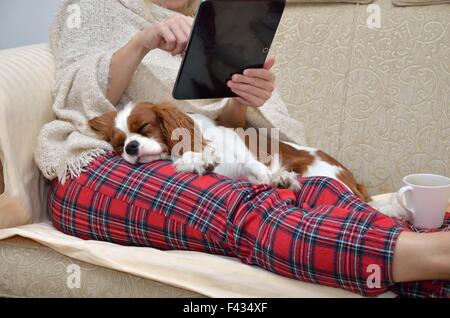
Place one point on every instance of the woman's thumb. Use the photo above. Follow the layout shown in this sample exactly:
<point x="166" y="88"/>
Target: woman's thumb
<point x="270" y="62"/>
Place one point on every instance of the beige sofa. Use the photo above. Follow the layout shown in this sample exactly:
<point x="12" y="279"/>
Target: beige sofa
<point x="377" y="99"/>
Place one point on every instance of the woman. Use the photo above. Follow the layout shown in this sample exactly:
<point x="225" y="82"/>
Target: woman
<point x="110" y="52"/>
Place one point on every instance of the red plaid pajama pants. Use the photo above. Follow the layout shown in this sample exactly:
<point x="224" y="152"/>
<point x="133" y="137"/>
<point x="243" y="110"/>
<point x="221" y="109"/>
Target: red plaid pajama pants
<point x="320" y="234"/>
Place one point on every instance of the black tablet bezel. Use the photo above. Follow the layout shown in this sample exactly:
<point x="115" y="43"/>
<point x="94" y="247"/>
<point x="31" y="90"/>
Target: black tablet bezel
<point x="186" y="55"/>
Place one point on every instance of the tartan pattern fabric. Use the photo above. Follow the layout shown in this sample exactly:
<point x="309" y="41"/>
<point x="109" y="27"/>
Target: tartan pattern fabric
<point x="320" y="234"/>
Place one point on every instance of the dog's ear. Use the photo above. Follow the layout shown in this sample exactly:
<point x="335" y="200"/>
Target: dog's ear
<point x="178" y="129"/>
<point x="104" y="125"/>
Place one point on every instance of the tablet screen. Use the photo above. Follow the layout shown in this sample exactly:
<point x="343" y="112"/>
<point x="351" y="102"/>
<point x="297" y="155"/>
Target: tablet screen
<point x="227" y="38"/>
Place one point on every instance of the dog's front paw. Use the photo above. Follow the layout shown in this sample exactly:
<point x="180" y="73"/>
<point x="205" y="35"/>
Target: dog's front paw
<point x="258" y="173"/>
<point x="197" y="162"/>
<point x="210" y="159"/>
<point x="191" y="162"/>
<point x="285" y="179"/>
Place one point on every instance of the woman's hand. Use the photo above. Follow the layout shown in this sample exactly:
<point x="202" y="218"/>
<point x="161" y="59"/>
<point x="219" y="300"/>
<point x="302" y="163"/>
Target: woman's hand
<point x="171" y="35"/>
<point x="255" y="86"/>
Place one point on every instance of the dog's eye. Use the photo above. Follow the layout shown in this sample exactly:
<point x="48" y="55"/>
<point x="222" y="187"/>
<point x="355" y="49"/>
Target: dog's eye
<point x="142" y="127"/>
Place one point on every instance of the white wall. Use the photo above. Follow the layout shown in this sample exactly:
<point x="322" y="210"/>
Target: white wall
<point x="24" y="22"/>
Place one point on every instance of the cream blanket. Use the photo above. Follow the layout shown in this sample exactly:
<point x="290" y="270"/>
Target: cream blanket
<point x="83" y="52"/>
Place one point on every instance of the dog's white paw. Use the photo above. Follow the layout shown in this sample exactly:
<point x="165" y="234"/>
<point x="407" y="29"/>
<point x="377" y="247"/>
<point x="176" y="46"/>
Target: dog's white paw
<point x="391" y="209"/>
<point x="210" y="159"/>
<point x="197" y="162"/>
<point x="285" y="179"/>
<point x="258" y="173"/>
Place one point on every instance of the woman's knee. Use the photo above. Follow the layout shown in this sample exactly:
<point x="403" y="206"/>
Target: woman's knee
<point x="55" y="202"/>
<point x="320" y="188"/>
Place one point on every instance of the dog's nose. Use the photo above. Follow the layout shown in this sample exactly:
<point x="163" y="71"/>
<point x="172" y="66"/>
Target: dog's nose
<point x="132" y="148"/>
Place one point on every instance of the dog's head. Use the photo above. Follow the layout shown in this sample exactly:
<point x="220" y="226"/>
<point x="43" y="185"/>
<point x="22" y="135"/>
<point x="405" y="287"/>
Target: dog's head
<point x="143" y="132"/>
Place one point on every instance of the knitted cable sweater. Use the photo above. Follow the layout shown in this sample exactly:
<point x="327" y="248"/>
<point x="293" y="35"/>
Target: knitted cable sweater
<point x="83" y="50"/>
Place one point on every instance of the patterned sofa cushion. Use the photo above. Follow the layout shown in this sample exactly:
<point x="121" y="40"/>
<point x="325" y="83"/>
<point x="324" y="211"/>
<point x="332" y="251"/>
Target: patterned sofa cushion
<point x="378" y="99"/>
<point x="29" y="269"/>
<point x="404" y="3"/>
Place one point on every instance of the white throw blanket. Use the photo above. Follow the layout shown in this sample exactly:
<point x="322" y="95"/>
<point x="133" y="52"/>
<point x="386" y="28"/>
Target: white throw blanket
<point x="83" y="52"/>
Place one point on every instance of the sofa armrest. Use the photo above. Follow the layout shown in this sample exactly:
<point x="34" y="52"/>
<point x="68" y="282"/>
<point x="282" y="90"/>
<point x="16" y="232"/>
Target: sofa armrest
<point x="26" y="82"/>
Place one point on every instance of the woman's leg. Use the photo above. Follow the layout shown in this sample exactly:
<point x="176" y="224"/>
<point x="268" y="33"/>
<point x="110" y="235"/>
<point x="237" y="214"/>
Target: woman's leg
<point x="152" y="205"/>
<point x="143" y="205"/>
<point x="313" y="236"/>
<point x="417" y="256"/>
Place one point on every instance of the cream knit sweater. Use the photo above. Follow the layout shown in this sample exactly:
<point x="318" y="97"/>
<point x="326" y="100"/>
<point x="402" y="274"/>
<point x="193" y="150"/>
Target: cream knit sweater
<point x="83" y="55"/>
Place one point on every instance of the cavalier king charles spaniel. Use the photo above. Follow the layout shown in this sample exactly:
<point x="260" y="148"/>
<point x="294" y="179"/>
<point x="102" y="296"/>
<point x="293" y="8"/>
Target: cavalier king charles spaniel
<point x="143" y="132"/>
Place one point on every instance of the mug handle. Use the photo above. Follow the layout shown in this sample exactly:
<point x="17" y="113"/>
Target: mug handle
<point x="401" y="199"/>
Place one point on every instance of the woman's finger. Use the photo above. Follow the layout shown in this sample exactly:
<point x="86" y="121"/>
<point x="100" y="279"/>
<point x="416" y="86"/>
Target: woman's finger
<point x="260" y="73"/>
<point x="186" y="27"/>
<point x="254" y="81"/>
<point x="189" y="20"/>
<point x="270" y="62"/>
<point x="252" y="90"/>
<point x="181" y="38"/>
<point x="252" y="100"/>
<point x="169" y="38"/>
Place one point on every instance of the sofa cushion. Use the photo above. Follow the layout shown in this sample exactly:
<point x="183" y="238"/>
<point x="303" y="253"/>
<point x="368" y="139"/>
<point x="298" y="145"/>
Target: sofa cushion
<point x="205" y="274"/>
<point x="375" y="99"/>
<point x="404" y="3"/>
<point x="29" y="269"/>
<point x="26" y="81"/>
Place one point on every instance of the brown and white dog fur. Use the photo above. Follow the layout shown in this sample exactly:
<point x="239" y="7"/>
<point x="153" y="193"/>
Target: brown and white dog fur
<point x="143" y="132"/>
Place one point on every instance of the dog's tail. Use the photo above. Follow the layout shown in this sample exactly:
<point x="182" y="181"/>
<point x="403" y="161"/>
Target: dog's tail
<point x="361" y="192"/>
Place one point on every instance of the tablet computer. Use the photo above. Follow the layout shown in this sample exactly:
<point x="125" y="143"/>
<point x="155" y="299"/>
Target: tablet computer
<point x="228" y="36"/>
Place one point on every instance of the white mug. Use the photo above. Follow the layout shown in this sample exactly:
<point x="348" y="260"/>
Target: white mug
<point x="425" y="199"/>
